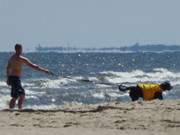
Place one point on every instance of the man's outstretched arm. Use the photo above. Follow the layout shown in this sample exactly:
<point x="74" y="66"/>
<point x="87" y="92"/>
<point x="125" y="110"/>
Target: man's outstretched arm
<point x="36" y="67"/>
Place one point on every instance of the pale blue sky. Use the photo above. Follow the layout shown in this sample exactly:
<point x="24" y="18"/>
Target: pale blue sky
<point x="88" y="22"/>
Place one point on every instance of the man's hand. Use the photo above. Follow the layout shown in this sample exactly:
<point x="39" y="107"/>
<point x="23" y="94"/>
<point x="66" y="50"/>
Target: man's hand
<point x="49" y="72"/>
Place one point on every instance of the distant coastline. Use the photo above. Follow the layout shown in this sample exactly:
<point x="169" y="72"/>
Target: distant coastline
<point x="134" y="48"/>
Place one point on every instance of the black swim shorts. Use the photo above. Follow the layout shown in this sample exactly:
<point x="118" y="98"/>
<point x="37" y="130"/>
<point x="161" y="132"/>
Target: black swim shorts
<point x="16" y="87"/>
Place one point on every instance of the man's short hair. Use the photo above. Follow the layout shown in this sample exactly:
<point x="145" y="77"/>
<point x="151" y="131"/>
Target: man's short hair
<point x="17" y="46"/>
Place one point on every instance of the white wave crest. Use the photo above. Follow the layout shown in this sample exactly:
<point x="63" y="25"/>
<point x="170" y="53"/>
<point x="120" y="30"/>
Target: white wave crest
<point x="135" y="76"/>
<point x="3" y="84"/>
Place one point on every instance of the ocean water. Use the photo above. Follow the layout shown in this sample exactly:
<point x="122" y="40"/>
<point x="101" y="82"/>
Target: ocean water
<point x="90" y="78"/>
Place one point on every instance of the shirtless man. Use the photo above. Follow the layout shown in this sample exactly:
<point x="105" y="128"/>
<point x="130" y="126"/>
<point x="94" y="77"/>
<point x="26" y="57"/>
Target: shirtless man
<point x="14" y="70"/>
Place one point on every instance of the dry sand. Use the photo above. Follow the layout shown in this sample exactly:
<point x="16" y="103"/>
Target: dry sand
<point x="155" y="117"/>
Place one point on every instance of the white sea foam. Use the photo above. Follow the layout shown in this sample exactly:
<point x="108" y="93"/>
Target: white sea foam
<point x="44" y="107"/>
<point x="99" y="95"/>
<point x="57" y="83"/>
<point x="53" y="106"/>
<point x="158" y="75"/>
<point x="4" y="101"/>
<point x="3" y="84"/>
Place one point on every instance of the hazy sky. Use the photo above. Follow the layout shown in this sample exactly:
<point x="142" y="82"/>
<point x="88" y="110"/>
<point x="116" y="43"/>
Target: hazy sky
<point x="88" y="22"/>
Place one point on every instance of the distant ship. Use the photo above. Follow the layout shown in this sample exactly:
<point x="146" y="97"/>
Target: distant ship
<point x="134" y="48"/>
<point x="43" y="49"/>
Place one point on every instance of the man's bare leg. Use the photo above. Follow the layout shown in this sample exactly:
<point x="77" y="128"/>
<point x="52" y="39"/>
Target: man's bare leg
<point x="12" y="103"/>
<point x="21" y="101"/>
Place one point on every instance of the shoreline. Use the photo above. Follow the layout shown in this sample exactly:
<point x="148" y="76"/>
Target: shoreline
<point x="154" y="117"/>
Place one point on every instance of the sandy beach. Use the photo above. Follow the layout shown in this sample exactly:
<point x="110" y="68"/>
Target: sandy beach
<point x="154" y="117"/>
